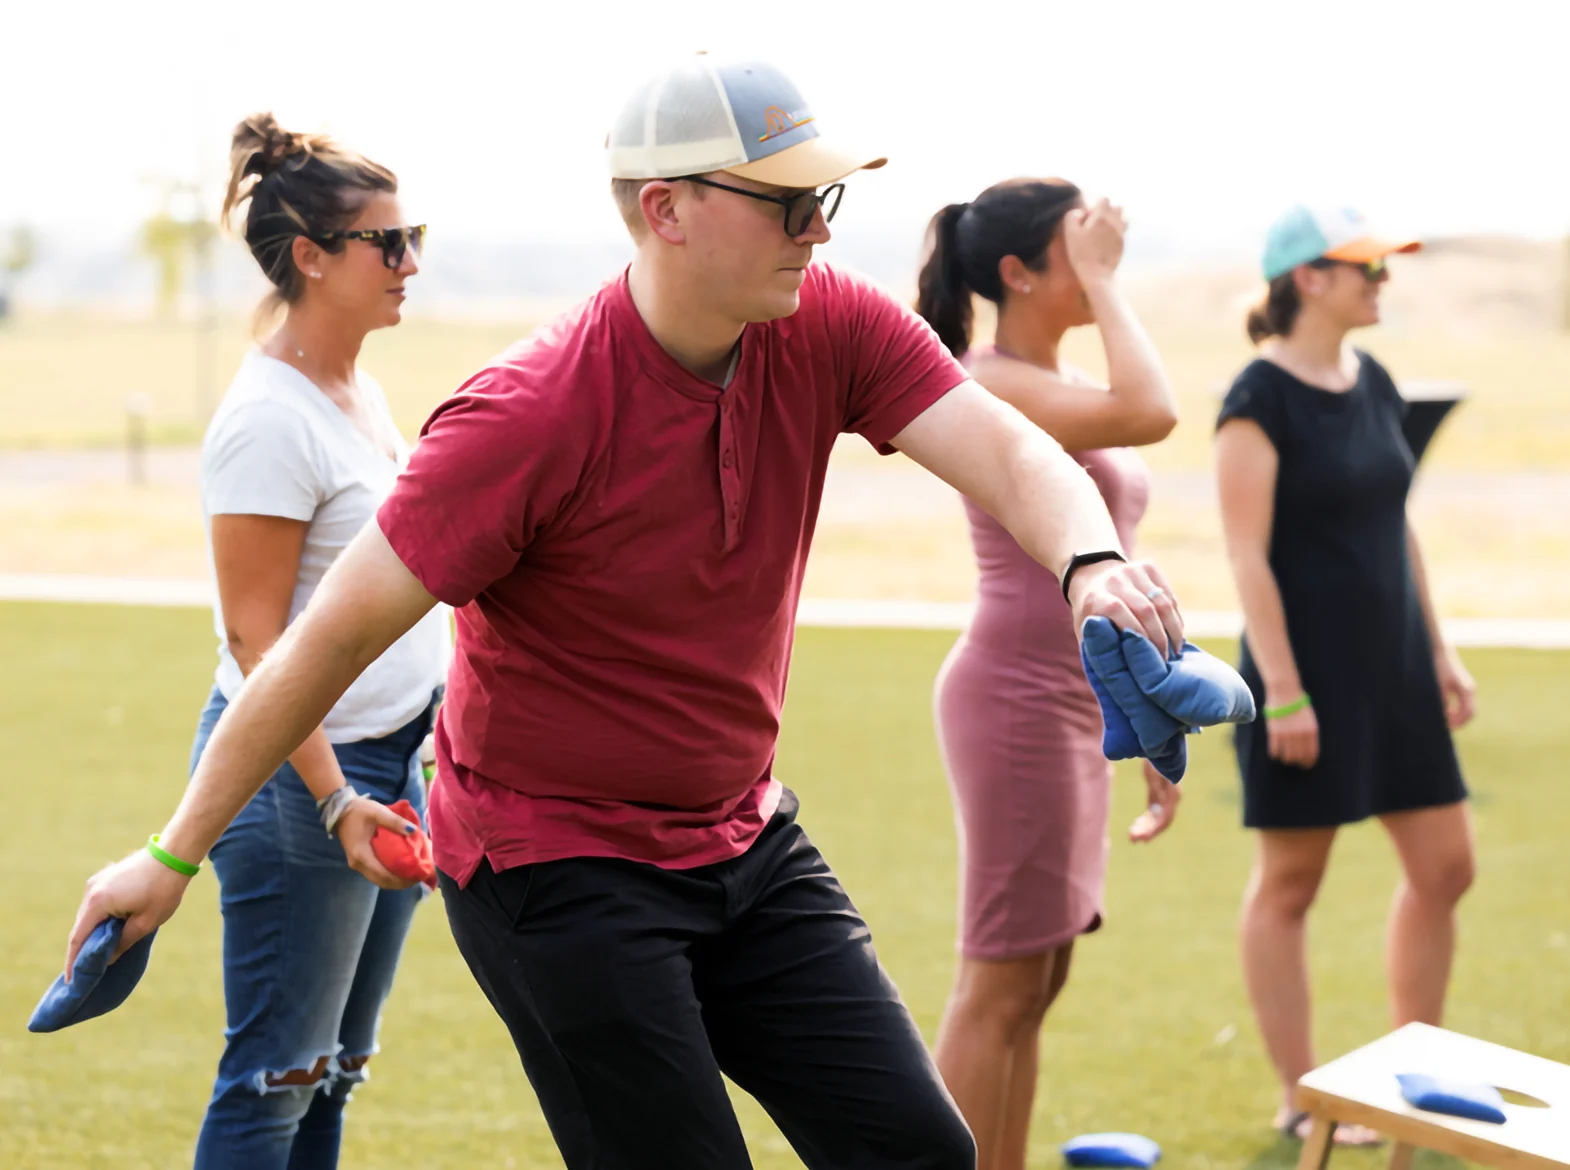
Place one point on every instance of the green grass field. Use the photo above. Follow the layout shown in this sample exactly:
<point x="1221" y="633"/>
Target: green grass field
<point x="1153" y="1034"/>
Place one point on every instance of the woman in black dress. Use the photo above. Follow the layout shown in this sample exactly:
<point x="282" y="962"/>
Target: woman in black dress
<point x="1357" y="689"/>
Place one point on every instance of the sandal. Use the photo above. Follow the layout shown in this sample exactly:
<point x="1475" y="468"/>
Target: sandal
<point x="1356" y="1137"/>
<point x="1293" y="1126"/>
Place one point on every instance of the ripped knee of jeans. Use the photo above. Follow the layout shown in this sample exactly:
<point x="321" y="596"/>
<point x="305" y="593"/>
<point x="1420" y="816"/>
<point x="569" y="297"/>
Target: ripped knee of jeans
<point x="347" y="1073"/>
<point x="294" y="1078"/>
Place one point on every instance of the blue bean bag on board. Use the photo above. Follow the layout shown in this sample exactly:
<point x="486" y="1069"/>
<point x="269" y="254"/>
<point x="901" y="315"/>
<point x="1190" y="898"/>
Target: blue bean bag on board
<point x="1454" y="1098"/>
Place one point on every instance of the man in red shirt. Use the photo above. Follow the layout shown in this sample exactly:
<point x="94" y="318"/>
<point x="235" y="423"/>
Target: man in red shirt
<point x="620" y="509"/>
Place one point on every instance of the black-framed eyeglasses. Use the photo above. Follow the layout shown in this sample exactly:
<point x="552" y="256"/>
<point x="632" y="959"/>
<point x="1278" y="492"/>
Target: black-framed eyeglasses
<point x="799" y="209"/>
<point x="1371" y="269"/>
<point x="394" y="242"/>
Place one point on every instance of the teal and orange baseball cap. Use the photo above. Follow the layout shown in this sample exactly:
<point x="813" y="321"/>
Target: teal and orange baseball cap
<point x="747" y="118"/>
<point x="1306" y="233"/>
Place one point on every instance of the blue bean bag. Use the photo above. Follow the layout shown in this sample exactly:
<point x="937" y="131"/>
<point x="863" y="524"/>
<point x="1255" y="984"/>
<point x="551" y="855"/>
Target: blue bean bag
<point x="1455" y="1098"/>
<point x="1111" y="1149"/>
<point x="1150" y="703"/>
<point x="97" y="985"/>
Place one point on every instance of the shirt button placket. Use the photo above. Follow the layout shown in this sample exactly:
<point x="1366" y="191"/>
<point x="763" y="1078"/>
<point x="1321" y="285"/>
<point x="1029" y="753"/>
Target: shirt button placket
<point x="730" y="479"/>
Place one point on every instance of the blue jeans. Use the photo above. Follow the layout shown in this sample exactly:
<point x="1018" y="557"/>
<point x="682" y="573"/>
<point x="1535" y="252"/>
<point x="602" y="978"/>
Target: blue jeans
<point x="310" y="949"/>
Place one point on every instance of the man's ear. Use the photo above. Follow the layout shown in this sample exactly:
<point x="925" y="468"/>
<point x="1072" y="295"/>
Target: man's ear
<point x="660" y="202"/>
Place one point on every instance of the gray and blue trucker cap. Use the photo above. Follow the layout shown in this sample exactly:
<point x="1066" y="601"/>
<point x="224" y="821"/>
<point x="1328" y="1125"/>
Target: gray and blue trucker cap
<point x="744" y="117"/>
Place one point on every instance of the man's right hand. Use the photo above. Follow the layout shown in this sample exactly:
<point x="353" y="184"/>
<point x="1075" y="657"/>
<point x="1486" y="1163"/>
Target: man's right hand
<point x="1133" y="596"/>
<point x="140" y="889"/>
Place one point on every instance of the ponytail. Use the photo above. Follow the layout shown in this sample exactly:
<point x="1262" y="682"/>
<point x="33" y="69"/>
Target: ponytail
<point x="969" y="242"/>
<point x="944" y="295"/>
<point x="1277" y="313"/>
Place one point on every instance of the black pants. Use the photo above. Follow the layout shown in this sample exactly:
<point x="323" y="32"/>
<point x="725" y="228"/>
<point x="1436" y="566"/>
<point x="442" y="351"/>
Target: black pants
<point x="629" y="989"/>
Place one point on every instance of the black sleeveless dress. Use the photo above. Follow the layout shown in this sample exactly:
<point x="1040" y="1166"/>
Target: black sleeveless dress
<point x="1338" y="551"/>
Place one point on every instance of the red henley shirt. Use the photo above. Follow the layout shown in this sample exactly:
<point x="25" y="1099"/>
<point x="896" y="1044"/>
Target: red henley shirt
<point x="624" y="545"/>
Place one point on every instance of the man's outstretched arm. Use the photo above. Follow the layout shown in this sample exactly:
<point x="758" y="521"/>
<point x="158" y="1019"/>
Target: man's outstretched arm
<point x="367" y="601"/>
<point x="988" y="451"/>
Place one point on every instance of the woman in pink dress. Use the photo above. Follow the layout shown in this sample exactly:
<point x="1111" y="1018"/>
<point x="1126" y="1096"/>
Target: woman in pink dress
<point x="1018" y="726"/>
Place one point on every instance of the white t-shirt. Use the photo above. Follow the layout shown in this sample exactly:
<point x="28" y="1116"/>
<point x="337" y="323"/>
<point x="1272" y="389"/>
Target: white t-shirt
<point x="278" y="446"/>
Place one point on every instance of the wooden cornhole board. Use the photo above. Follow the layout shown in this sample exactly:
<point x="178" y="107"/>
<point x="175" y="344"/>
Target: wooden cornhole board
<point x="1361" y="1089"/>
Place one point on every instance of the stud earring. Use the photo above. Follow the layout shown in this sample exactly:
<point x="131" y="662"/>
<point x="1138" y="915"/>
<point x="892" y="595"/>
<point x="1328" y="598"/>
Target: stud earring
<point x="316" y="276"/>
<point x="1025" y="288"/>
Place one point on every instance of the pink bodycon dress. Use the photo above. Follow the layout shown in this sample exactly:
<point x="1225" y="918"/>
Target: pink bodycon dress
<point x="1020" y="735"/>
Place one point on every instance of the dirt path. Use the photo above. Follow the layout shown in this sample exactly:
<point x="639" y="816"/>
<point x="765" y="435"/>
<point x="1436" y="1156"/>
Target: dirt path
<point x="1498" y="544"/>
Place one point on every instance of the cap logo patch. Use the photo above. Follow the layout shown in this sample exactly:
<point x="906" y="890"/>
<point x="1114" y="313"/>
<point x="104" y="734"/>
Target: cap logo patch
<point x="777" y="121"/>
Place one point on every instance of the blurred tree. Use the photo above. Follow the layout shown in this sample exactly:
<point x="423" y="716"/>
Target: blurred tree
<point x="1564" y="293"/>
<point x="21" y="250"/>
<point x="172" y="242"/>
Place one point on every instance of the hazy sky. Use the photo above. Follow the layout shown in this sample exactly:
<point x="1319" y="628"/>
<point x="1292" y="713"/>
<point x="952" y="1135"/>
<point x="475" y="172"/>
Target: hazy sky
<point x="1202" y="118"/>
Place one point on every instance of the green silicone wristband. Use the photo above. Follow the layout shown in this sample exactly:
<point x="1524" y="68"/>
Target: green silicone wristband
<point x="169" y="859"/>
<point x="1301" y="703"/>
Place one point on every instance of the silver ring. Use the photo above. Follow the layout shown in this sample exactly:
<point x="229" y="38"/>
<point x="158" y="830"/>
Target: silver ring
<point x="1156" y="593"/>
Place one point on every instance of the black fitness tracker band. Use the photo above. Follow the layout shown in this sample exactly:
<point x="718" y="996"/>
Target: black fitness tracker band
<point x="1080" y="559"/>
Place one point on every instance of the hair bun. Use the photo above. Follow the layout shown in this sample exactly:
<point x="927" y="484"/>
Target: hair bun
<point x="267" y="145"/>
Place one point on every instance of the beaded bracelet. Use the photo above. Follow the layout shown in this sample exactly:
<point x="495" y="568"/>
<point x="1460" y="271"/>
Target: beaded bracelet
<point x="334" y="805"/>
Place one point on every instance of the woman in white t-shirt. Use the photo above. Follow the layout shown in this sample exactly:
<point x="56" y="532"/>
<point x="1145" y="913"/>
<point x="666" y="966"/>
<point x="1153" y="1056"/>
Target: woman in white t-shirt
<point x="296" y="460"/>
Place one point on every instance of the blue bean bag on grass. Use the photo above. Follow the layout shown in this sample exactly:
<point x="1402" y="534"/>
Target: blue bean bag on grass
<point x="1111" y="1149"/>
